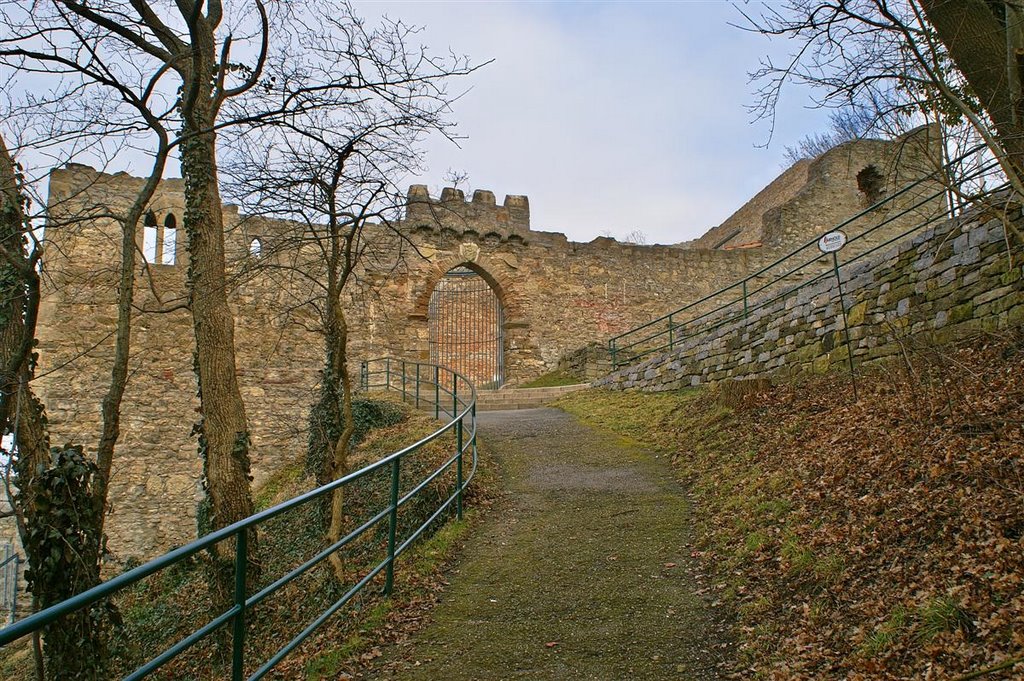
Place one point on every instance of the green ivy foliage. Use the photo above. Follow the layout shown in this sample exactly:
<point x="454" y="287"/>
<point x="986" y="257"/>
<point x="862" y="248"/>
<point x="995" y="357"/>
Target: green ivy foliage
<point x="326" y="424"/>
<point x="64" y="543"/>
<point x="369" y="415"/>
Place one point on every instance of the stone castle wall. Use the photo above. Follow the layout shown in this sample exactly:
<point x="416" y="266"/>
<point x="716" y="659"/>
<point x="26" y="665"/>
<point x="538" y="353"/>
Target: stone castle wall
<point x="948" y="280"/>
<point x="814" y="195"/>
<point x="557" y="295"/>
<point x="554" y="292"/>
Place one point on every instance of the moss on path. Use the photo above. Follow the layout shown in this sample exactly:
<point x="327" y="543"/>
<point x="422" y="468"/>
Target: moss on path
<point x="583" y="571"/>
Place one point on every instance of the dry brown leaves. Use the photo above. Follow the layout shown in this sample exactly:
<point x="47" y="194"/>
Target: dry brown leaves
<point x="900" y="553"/>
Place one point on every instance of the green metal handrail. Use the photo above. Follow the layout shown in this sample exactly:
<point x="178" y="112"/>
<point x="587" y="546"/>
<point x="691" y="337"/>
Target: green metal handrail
<point x="667" y="332"/>
<point x="461" y="419"/>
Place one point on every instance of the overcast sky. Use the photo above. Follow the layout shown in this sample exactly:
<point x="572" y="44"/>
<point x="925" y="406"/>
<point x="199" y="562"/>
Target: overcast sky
<point x="610" y="116"/>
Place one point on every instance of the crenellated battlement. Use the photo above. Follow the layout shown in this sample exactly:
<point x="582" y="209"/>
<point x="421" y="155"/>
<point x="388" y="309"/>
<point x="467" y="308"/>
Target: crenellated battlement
<point x="481" y="214"/>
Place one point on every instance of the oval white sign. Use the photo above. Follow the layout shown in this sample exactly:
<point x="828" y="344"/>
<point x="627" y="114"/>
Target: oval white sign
<point x="832" y="242"/>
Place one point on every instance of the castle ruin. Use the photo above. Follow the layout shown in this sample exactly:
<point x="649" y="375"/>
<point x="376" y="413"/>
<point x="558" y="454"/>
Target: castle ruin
<point x="538" y="296"/>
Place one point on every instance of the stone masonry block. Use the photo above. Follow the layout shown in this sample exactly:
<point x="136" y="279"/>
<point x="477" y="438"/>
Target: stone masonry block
<point x="978" y="235"/>
<point x="993" y="294"/>
<point x="961" y="243"/>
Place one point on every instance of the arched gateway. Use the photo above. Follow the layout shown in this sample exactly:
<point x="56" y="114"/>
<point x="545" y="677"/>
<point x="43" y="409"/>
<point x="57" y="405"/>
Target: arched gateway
<point x="465" y="321"/>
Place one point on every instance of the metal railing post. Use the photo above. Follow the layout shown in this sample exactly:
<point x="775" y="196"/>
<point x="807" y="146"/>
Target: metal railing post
<point x="238" y="623"/>
<point x="389" y="574"/>
<point x="745" y="310"/>
<point x="403" y="381"/>
<point x="846" y="324"/>
<point x="455" y="395"/>
<point x="418" y="367"/>
<point x="437" y="394"/>
<point x="473" y="437"/>
<point x="458" y="468"/>
<point x="387" y="374"/>
<point x="364" y="375"/>
<point x="671" y="339"/>
<point x="14" y="594"/>
<point x="612" y="350"/>
<point x="7" y="585"/>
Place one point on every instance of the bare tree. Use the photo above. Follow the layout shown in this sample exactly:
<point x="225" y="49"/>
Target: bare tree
<point x="99" y="93"/>
<point x="61" y="496"/>
<point x="86" y="125"/>
<point x="19" y="297"/>
<point x="334" y="170"/>
<point x="913" y="60"/>
<point x="636" y="236"/>
<point x="184" y="55"/>
<point x="845" y="125"/>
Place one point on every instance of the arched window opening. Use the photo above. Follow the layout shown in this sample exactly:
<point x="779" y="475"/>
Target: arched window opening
<point x="255" y="248"/>
<point x="871" y="184"/>
<point x="170" y="240"/>
<point x="465" y="320"/>
<point x="149" y="237"/>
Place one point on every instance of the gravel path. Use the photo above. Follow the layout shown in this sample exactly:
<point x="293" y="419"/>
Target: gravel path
<point x="582" y="572"/>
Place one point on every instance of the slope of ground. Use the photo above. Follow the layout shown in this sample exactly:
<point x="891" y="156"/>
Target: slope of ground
<point x="877" y="539"/>
<point x="168" y="606"/>
<point x="583" y="571"/>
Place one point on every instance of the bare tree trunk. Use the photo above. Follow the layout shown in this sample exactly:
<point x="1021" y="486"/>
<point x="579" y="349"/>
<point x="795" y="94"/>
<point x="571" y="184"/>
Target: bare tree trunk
<point x="13" y="381"/>
<point x="978" y="44"/>
<point x="19" y="288"/>
<point x="37" y="647"/>
<point x="77" y="643"/>
<point x="111" y="406"/>
<point x="223" y="431"/>
<point x="20" y="411"/>
<point x="339" y="463"/>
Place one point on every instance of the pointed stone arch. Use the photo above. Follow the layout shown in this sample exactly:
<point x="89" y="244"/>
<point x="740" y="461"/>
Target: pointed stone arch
<point x="503" y="287"/>
<point x="496" y="273"/>
<point x="466" y="327"/>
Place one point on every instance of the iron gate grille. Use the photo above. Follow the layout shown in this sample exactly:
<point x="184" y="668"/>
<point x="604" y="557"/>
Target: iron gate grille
<point x="465" y="322"/>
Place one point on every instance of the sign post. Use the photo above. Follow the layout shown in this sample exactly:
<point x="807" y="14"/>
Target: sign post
<point x="833" y="242"/>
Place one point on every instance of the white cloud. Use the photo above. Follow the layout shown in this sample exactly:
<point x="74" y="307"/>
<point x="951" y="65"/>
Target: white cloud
<point x="609" y="116"/>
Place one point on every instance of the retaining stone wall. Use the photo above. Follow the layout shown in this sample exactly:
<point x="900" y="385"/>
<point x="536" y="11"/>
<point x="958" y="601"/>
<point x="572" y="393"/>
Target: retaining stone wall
<point x="947" y="280"/>
<point x="589" y="363"/>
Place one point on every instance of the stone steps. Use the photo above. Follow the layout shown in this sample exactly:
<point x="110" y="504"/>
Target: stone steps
<point x="522" y="398"/>
<point x="503" y="399"/>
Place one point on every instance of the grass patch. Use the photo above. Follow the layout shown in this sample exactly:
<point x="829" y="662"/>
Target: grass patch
<point x="651" y="418"/>
<point x="799" y="558"/>
<point x="329" y="664"/>
<point x="755" y="541"/>
<point x="282" y="480"/>
<point x="553" y="379"/>
<point x="885" y="636"/>
<point x="439" y="548"/>
<point x="829" y="569"/>
<point x="941" y="615"/>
